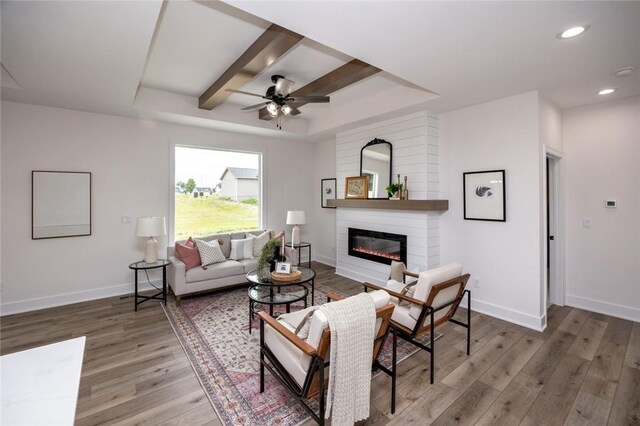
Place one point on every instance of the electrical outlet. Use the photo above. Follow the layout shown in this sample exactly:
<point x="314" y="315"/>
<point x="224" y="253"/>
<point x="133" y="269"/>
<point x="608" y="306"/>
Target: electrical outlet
<point x="586" y="223"/>
<point x="125" y="219"/>
<point x="476" y="282"/>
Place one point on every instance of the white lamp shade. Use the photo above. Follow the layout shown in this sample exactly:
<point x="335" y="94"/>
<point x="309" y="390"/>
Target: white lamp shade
<point x="295" y="217"/>
<point x="151" y="226"/>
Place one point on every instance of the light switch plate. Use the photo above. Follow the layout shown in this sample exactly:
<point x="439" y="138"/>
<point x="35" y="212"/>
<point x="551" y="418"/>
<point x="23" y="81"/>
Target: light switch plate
<point x="586" y="223"/>
<point x="125" y="219"/>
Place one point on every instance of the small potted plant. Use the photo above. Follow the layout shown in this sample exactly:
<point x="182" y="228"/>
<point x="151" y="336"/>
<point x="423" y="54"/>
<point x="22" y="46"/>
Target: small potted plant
<point x="269" y="254"/>
<point x="394" y="191"/>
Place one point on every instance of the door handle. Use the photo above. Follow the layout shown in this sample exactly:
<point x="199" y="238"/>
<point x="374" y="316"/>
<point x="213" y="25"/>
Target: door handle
<point x="551" y="237"/>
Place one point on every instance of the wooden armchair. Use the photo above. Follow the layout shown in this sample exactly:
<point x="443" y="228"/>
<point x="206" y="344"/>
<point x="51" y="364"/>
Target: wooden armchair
<point x="301" y="365"/>
<point x="434" y="300"/>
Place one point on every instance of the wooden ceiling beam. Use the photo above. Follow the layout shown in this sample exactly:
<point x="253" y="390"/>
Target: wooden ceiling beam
<point x="346" y="75"/>
<point x="270" y="46"/>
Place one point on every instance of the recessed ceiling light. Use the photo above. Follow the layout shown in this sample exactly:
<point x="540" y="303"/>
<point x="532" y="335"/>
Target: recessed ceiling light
<point x="623" y="72"/>
<point x="606" y="91"/>
<point x="574" y="31"/>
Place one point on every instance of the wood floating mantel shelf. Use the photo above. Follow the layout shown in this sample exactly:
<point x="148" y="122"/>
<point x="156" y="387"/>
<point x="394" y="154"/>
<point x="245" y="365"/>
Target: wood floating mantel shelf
<point x="421" y="205"/>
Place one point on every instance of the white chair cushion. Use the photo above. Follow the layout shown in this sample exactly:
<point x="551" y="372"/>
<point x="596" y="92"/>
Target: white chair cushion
<point x="286" y="352"/>
<point x="402" y="317"/>
<point x="428" y="279"/>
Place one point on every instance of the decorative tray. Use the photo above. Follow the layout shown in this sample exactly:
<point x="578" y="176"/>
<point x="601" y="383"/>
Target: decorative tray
<point x="293" y="276"/>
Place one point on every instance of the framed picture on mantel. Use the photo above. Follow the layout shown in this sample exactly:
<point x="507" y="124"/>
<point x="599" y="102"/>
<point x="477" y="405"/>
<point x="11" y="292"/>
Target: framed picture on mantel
<point x="356" y="187"/>
<point x="484" y="195"/>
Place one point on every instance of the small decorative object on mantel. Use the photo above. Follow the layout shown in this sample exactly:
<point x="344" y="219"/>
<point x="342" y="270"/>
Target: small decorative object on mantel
<point x="405" y="191"/>
<point x="356" y="187"/>
<point x="485" y="195"/>
<point x="393" y="190"/>
<point x="327" y="192"/>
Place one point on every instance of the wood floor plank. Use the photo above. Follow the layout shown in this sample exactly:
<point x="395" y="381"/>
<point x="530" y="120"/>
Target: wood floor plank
<point x="574" y="321"/>
<point x="428" y="407"/>
<point x="509" y="365"/>
<point x="604" y="372"/>
<point x="588" y="340"/>
<point x="202" y="415"/>
<point x="626" y="403"/>
<point x="588" y="410"/>
<point x="552" y="405"/>
<point x="512" y="404"/>
<point x="542" y="365"/>
<point x="471" y="370"/>
<point x="632" y="359"/>
<point x="470" y="406"/>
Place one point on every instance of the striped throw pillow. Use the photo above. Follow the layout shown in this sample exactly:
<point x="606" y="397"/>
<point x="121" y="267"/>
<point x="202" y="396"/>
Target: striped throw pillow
<point x="210" y="252"/>
<point x="241" y="249"/>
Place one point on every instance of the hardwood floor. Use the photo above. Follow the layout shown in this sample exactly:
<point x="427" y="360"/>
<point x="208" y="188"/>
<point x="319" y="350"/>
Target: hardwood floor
<point x="583" y="369"/>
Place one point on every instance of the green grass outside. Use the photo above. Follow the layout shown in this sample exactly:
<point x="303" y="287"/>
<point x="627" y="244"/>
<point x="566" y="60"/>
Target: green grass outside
<point x="198" y="217"/>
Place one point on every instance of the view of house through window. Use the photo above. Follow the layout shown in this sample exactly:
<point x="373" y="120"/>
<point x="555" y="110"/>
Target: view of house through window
<point x="216" y="191"/>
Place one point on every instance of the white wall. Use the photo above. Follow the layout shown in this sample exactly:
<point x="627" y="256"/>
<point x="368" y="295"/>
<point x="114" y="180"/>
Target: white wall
<point x="503" y="256"/>
<point x="323" y="225"/>
<point x="602" y="148"/>
<point x="129" y="161"/>
<point x="414" y="139"/>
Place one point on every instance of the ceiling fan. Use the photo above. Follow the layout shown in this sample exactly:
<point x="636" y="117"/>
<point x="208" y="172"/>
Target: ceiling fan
<point x="279" y="99"/>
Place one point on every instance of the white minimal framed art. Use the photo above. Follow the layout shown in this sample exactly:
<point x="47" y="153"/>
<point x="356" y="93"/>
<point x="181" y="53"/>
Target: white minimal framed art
<point x="327" y="192"/>
<point x="484" y="195"/>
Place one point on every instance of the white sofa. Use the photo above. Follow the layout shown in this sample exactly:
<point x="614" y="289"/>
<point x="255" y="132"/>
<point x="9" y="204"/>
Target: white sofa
<point x="219" y="275"/>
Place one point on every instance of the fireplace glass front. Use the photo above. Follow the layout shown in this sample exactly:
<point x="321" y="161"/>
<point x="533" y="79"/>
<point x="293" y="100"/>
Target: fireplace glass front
<point x="382" y="247"/>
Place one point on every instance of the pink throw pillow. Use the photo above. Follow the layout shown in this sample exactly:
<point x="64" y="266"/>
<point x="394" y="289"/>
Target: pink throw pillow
<point x="188" y="253"/>
<point x="279" y="235"/>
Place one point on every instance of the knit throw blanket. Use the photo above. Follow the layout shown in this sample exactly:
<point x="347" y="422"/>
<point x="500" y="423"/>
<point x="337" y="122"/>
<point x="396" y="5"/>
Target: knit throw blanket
<point x="352" y="322"/>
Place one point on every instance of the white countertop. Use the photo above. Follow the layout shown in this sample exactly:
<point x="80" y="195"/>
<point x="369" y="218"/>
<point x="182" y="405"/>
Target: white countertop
<point x="40" y="386"/>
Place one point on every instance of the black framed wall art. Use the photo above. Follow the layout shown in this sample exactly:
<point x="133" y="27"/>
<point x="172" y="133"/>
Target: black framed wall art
<point x="327" y="192"/>
<point x="484" y="195"/>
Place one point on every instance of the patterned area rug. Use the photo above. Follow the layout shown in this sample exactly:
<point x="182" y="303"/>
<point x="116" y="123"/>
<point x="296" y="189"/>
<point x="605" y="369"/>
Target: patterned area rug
<point x="214" y="332"/>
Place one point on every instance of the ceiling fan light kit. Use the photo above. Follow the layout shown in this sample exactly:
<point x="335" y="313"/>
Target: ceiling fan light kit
<point x="279" y="99"/>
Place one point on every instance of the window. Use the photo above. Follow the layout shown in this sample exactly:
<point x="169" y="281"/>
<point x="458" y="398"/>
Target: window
<point x="215" y="191"/>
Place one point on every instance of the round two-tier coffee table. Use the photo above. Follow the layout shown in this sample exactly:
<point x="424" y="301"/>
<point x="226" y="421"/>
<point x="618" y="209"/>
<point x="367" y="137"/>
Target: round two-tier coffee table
<point x="271" y="293"/>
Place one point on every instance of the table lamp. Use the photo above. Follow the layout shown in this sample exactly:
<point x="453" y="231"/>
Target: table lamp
<point x="295" y="217"/>
<point x="151" y="226"/>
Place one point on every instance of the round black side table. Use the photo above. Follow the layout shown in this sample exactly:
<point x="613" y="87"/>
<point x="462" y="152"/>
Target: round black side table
<point x="144" y="266"/>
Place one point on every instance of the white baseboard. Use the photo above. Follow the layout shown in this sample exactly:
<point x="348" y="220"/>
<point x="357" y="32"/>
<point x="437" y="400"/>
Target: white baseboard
<point x="38" y="303"/>
<point x="618" y="311"/>
<point x="515" y="317"/>
<point x="331" y="261"/>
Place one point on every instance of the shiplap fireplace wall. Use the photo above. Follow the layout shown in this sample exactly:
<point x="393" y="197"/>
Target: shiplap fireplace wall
<point x="415" y="154"/>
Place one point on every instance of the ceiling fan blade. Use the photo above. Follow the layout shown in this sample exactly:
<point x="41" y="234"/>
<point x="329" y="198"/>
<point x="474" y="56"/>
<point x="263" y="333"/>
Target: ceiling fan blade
<point x="245" y="93"/>
<point x="309" y="99"/>
<point x="284" y="86"/>
<point x="294" y="110"/>
<point x="255" y="107"/>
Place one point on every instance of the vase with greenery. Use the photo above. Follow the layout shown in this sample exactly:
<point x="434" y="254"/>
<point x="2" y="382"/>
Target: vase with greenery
<point x="270" y="252"/>
<point x="393" y="189"/>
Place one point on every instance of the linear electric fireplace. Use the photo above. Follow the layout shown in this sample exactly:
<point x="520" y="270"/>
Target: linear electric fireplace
<point x="381" y="247"/>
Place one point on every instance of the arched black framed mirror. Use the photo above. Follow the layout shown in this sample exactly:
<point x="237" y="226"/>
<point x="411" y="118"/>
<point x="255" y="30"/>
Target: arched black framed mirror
<point x="375" y="162"/>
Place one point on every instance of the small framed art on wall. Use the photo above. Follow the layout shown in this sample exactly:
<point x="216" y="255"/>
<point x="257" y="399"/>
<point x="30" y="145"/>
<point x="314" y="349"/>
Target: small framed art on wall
<point x="484" y="195"/>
